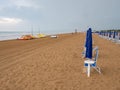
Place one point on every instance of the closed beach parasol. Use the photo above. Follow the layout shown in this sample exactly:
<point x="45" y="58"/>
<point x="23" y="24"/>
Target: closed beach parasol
<point x="114" y="34"/>
<point x="89" y="44"/>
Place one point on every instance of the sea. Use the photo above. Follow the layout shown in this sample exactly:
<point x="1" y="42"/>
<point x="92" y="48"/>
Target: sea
<point x="6" y="35"/>
<point x="10" y="35"/>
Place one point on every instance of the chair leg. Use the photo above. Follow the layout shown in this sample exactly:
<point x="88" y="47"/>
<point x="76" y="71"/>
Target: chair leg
<point x="97" y="69"/>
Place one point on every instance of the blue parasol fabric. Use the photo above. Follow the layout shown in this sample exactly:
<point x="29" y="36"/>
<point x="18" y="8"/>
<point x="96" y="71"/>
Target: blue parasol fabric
<point x="114" y="34"/>
<point x="89" y="44"/>
<point x="110" y="34"/>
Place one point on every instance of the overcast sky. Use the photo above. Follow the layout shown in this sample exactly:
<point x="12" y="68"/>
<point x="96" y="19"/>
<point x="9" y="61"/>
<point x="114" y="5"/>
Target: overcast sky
<point x="59" y="15"/>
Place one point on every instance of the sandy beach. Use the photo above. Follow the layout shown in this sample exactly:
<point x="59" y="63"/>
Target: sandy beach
<point x="57" y="64"/>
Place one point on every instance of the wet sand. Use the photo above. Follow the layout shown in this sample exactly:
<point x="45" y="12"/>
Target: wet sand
<point x="56" y="64"/>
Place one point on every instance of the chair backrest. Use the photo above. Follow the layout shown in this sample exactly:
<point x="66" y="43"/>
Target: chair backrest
<point x="95" y="48"/>
<point x="96" y="56"/>
<point x="84" y="52"/>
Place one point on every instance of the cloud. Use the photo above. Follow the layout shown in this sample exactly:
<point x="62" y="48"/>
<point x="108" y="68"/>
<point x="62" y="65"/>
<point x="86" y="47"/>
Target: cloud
<point x="25" y="4"/>
<point x="10" y="20"/>
<point x="19" y="4"/>
<point x="1" y="8"/>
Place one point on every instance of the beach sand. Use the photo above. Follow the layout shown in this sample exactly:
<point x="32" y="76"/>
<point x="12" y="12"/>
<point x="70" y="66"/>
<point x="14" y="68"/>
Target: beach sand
<point x="57" y="64"/>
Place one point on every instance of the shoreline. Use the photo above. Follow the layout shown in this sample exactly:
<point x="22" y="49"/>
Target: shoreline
<point x="48" y="35"/>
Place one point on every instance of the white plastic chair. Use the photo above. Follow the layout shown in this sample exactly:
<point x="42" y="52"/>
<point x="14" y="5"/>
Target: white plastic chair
<point x="94" y="65"/>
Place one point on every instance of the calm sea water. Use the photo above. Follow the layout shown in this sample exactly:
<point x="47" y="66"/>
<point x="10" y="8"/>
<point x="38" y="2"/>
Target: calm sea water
<point x="12" y="35"/>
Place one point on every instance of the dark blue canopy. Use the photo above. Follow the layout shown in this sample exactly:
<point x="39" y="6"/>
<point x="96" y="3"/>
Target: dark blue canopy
<point x="100" y="33"/>
<point x="114" y="34"/>
<point x="89" y="44"/>
<point x="110" y="34"/>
